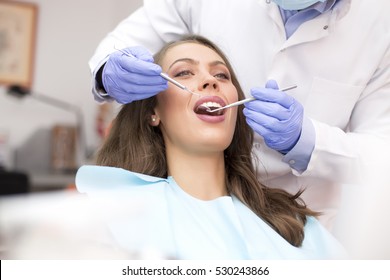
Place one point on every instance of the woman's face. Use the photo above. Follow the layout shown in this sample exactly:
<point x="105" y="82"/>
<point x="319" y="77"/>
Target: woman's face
<point x="183" y="122"/>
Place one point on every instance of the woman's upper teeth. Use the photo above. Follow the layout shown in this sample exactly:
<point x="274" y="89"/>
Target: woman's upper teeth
<point x="211" y="104"/>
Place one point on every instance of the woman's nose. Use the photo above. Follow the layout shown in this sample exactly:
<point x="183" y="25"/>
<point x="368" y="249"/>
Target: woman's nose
<point x="209" y="83"/>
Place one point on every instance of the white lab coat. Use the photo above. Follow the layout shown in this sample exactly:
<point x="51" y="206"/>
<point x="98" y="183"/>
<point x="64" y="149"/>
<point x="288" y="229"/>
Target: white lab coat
<point x="339" y="60"/>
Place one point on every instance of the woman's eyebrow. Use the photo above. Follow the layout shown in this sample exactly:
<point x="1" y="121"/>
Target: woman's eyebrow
<point x="188" y="60"/>
<point x="195" y="62"/>
<point x="217" y="62"/>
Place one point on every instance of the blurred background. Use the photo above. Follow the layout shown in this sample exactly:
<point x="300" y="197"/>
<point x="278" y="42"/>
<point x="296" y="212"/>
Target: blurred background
<point x="40" y="133"/>
<point x="50" y="125"/>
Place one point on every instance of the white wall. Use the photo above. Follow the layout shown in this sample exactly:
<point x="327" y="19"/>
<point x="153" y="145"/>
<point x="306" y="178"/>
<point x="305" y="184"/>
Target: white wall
<point x="67" y="34"/>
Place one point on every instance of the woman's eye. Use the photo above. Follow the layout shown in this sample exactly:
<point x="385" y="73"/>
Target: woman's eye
<point x="223" y="76"/>
<point x="183" y="73"/>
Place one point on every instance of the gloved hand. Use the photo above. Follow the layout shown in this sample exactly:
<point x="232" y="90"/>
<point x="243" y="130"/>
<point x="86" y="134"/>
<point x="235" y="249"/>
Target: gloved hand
<point x="276" y="116"/>
<point x="133" y="77"/>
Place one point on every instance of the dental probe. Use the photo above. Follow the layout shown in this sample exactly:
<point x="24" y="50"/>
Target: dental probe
<point x="245" y="100"/>
<point x="165" y="76"/>
<point x="176" y="83"/>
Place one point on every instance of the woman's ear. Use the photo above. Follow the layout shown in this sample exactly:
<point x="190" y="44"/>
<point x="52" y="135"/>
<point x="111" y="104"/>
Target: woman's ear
<point x="154" y="120"/>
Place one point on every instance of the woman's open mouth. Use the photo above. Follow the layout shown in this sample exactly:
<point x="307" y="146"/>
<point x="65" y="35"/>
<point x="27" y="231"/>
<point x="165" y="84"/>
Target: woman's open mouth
<point x="208" y="103"/>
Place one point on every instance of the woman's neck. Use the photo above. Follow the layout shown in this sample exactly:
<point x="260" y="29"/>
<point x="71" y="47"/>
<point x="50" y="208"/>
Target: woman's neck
<point x="200" y="175"/>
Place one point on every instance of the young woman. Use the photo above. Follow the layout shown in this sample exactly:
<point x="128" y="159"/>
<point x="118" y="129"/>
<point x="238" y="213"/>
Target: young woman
<point x="191" y="172"/>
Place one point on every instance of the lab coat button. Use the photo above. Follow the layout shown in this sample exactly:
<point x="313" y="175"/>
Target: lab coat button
<point x="291" y="161"/>
<point x="326" y="27"/>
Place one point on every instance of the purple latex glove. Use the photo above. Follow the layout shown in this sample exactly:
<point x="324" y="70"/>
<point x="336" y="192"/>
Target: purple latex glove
<point x="276" y="116"/>
<point x="133" y="77"/>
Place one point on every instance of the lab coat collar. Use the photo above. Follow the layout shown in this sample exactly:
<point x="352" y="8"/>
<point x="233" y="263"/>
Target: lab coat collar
<point x="318" y="27"/>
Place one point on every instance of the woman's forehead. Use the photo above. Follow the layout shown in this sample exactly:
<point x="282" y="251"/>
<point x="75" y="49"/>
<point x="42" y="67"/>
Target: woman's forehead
<point x="190" y="50"/>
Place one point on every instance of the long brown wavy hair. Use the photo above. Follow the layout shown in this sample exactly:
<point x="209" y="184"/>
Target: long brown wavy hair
<point x="135" y="145"/>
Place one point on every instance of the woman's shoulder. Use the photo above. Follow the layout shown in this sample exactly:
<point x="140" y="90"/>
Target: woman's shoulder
<point x="93" y="178"/>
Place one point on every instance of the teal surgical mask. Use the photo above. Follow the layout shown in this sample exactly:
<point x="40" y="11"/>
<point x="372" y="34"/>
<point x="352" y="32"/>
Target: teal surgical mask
<point x="295" y="5"/>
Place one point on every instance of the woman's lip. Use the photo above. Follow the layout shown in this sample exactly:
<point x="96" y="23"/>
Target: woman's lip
<point x="212" y="98"/>
<point x="210" y="118"/>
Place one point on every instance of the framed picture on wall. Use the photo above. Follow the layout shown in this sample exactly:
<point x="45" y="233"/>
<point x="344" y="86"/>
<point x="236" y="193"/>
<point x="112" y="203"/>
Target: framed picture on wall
<point x="17" y="42"/>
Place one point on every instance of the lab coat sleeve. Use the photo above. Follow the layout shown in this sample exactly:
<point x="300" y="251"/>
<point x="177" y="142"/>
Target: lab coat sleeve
<point x="298" y="158"/>
<point x="151" y="26"/>
<point x="355" y="156"/>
